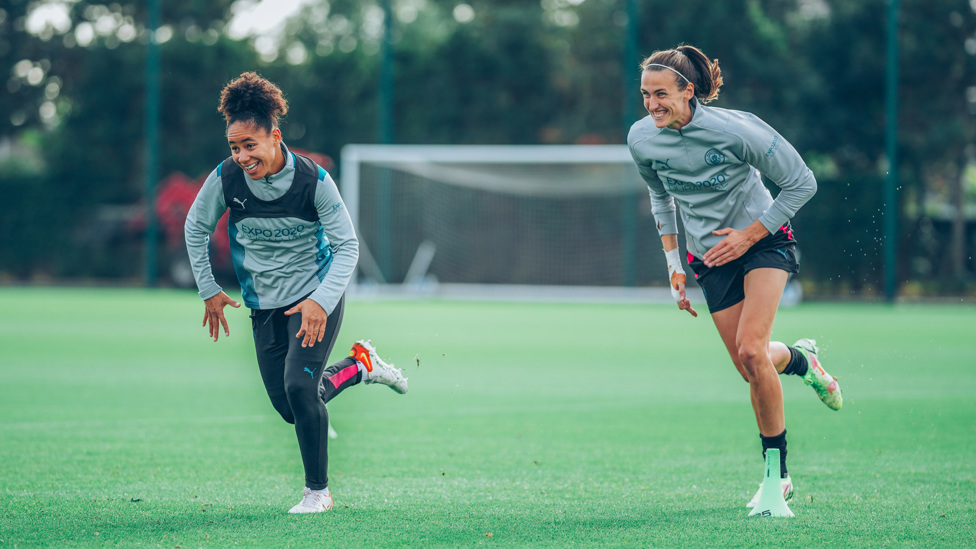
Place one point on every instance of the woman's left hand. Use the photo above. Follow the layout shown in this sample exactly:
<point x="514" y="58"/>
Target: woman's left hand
<point x="313" y="322"/>
<point x="734" y="244"/>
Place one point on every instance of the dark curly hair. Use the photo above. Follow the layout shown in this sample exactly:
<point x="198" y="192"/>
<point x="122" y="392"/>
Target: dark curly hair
<point x="251" y="98"/>
<point x="694" y="65"/>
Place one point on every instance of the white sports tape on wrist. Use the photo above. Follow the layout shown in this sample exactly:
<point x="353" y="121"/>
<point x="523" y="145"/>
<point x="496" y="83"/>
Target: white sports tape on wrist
<point x="675" y="272"/>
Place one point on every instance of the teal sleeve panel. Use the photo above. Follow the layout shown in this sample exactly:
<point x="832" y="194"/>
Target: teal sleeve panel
<point x="338" y="229"/>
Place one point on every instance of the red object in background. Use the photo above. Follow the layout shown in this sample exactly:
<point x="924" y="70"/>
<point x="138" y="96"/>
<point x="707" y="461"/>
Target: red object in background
<point x="175" y="196"/>
<point x="323" y="160"/>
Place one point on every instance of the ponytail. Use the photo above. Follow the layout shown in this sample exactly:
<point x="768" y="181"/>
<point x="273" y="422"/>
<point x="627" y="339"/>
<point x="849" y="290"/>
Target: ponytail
<point x="691" y="66"/>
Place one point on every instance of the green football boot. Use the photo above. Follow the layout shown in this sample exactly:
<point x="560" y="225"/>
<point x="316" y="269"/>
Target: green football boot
<point x="823" y="383"/>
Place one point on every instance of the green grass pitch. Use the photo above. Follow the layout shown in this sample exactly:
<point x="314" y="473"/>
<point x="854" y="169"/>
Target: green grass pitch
<point x="526" y="425"/>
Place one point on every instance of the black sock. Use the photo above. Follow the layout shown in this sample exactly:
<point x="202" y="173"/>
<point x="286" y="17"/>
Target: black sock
<point x="778" y="442"/>
<point x="797" y="365"/>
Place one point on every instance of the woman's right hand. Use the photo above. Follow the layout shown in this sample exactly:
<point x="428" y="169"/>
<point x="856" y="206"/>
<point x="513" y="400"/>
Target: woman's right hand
<point x="214" y="314"/>
<point x="683" y="302"/>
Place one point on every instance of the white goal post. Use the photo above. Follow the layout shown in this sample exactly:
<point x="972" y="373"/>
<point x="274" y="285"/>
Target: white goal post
<point x="551" y="222"/>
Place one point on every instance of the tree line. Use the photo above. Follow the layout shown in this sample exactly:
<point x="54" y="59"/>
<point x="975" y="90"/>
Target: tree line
<point x="72" y="123"/>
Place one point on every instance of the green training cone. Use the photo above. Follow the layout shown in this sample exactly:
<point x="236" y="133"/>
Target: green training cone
<point x="771" y="502"/>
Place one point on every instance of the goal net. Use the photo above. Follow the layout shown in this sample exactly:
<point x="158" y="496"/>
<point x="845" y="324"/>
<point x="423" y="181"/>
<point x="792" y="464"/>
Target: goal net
<point x="532" y="221"/>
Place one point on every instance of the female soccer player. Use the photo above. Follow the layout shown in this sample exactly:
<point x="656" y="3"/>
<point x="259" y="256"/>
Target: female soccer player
<point x="708" y="161"/>
<point x="294" y="250"/>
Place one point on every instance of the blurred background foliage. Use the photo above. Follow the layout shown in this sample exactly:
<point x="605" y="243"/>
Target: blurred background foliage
<point x="72" y="119"/>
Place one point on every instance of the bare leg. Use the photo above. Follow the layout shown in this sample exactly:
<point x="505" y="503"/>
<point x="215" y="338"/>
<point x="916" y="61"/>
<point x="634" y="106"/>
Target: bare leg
<point x="779" y="353"/>
<point x="745" y="329"/>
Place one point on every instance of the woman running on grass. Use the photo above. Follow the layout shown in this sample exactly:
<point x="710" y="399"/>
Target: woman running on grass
<point x="294" y="250"/>
<point x="708" y="161"/>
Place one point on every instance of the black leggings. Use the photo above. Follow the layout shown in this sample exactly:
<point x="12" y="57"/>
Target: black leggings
<point x="298" y="384"/>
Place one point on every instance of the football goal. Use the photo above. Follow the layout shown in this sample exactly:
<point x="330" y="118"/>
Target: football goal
<point x="515" y="221"/>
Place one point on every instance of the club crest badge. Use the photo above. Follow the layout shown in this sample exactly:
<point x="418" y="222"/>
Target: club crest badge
<point x="714" y="157"/>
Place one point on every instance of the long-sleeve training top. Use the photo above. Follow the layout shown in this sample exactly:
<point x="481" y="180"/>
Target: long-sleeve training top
<point x="279" y="254"/>
<point x="711" y="167"/>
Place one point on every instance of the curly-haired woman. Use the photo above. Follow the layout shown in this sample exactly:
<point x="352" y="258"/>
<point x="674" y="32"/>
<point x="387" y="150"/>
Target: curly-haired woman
<point x="294" y="251"/>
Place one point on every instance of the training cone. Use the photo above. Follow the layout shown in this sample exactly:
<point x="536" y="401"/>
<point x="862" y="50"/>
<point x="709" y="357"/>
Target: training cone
<point x="771" y="502"/>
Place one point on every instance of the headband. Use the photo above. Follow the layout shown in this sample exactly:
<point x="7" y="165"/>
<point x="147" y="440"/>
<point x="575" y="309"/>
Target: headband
<point x="672" y="69"/>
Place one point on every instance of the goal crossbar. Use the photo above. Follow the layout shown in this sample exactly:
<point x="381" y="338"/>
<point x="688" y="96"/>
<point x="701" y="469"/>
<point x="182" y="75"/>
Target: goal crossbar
<point x="578" y="211"/>
<point x="354" y="155"/>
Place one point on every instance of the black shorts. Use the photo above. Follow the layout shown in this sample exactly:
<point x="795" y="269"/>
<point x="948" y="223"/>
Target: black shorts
<point x="724" y="286"/>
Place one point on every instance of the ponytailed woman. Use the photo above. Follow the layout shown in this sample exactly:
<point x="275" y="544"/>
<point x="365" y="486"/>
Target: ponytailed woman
<point x="707" y="162"/>
<point x="294" y="251"/>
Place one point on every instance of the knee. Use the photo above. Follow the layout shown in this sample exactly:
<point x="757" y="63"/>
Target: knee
<point x="301" y="397"/>
<point x="298" y="392"/>
<point x="752" y="357"/>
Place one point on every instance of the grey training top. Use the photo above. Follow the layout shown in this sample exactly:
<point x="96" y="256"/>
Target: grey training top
<point x="711" y="168"/>
<point x="281" y="258"/>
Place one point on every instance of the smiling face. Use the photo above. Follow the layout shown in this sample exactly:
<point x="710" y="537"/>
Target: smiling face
<point x="667" y="105"/>
<point x="255" y="149"/>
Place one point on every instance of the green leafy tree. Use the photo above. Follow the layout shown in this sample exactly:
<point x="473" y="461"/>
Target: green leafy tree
<point x="92" y="140"/>
<point x="492" y="71"/>
<point x="938" y="129"/>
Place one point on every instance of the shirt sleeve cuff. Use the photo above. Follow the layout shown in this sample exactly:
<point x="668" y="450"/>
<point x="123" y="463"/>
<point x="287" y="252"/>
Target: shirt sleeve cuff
<point x="328" y="305"/>
<point x="209" y="292"/>
<point x="774" y="218"/>
<point x="666" y="223"/>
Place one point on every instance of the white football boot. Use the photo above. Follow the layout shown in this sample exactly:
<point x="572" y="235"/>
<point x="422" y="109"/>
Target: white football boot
<point x="378" y="371"/>
<point x="787" y="485"/>
<point x="313" y="502"/>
